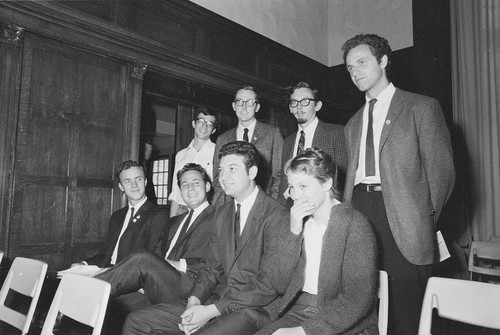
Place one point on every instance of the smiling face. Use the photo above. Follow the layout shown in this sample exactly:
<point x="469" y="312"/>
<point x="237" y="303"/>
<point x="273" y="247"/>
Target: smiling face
<point x="193" y="188"/>
<point x="366" y="72"/>
<point x="304" y="114"/>
<point x="234" y="179"/>
<point x="244" y="113"/>
<point x="133" y="183"/>
<point x="306" y="188"/>
<point x="204" y="126"/>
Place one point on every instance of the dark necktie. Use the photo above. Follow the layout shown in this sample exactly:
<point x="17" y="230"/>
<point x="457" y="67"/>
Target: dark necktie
<point x="237" y="226"/>
<point x="302" y="143"/>
<point x="245" y="135"/>
<point x="370" y="148"/>
<point x="181" y="235"/>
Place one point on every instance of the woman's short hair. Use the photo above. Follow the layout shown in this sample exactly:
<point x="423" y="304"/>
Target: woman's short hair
<point x="318" y="164"/>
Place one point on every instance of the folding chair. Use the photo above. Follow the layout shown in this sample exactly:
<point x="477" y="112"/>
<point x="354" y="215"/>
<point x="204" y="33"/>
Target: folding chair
<point x="494" y="238"/>
<point x="26" y="277"/>
<point x="383" y="303"/>
<point x="466" y="301"/>
<point x="81" y="298"/>
<point x="484" y="260"/>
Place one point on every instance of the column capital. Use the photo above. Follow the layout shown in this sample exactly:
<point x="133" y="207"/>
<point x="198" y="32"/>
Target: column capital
<point x="136" y="71"/>
<point x="11" y="34"/>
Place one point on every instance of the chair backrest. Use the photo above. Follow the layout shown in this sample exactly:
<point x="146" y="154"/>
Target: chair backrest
<point x="383" y="303"/>
<point x="81" y="298"/>
<point x="25" y="276"/>
<point x="482" y="258"/>
<point x="494" y="238"/>
<point x="466" y="301"/>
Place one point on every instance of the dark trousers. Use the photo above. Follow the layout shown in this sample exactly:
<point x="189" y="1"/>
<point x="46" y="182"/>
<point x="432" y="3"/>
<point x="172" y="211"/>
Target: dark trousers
<point x="407" y="281"/>
<point x="160" y="281"/>
<point x="163" y="319"/>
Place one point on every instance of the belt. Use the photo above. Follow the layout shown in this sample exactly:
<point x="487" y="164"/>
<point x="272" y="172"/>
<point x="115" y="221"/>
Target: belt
<point x="368" y="187"/>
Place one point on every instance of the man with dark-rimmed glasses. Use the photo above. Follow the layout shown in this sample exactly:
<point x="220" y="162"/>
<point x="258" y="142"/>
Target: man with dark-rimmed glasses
<point x="200" y="151"/>
<point x="267" y="140"/>
<point x="304" y="103"/>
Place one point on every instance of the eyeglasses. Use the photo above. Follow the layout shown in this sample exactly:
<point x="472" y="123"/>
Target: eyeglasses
<point x="247" y="103"/>
<point x="304" y="102"/>
<point x="202" y="122"/>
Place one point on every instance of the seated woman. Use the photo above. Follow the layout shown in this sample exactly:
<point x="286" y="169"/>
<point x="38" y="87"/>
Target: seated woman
<point x="326" y="271"/>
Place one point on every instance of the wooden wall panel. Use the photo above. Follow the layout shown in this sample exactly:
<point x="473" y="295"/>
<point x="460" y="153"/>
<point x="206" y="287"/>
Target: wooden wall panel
<point x="69" y="143"/>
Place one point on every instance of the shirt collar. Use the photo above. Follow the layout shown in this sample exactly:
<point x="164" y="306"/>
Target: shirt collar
<point x="248" y="202"/>
<point x="384" y="96"/>
<point x="250" y="127"/>
<point x="138" y="205"/>
<point x="311" y="127"/>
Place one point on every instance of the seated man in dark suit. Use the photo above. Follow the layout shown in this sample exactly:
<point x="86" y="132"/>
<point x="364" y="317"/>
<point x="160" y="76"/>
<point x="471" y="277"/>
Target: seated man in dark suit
<point x="245" y="233"/>
<point x="171" y="271"/>
<point x="137" y="226"/>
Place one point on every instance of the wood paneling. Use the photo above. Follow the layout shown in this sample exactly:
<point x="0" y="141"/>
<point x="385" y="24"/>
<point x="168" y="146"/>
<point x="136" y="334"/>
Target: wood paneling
<point x="69" y="142"/>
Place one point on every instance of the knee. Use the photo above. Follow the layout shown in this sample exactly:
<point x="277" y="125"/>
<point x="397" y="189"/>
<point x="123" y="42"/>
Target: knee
<point x="135" y="323"/>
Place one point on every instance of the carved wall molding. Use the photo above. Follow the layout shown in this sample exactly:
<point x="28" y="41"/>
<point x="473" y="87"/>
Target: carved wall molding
<point x="137" y="71"/>
<point x="11" y="34"/>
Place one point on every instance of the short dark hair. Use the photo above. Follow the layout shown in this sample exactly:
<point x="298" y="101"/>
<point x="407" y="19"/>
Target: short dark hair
<point x="206" y="111"/>
<point x="249" y="88"/>
<point x="193" y="167"/>
<point x="378" y="46"/>
<point x="127" y="165"/>
<point x="318" y="164"/>
<point x="251" y="156"/>
<point x="303" y="84"/>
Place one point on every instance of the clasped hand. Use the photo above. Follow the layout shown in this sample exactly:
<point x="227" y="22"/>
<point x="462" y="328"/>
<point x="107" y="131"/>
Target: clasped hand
<point x="196" y="315"/>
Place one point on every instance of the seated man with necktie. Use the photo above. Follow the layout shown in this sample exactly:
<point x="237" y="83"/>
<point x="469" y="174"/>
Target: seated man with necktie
<point x="244" y="236"/>
<point x="134" y="227"/>
<point x="170" y="272"/>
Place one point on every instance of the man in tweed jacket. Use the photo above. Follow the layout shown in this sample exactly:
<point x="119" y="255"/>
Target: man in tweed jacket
<point x="304" y="104"/>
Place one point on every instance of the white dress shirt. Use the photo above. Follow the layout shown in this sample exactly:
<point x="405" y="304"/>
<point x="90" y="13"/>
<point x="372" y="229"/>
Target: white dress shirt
<point x="240" y="131"/>
<point x="125" y="225"/>
<point x="380" y="110"/>
<point x="246" y="206"/>
<point x="196" y="212"/>
<point x="313" y="242"/>
<point x="308" y="135"/>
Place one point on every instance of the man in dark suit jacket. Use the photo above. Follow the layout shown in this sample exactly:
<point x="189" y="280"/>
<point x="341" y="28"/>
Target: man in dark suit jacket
<point x="400" y="174"/>
<point x="244" y="237"/>
<point x="171" y="271"/>
<point x="266" y="138"/>
<point x="129" y="231"/>
<point x="304" y="104"/>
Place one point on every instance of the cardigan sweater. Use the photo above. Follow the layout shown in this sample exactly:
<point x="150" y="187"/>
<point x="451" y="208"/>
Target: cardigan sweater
<point x="348" y="277"/>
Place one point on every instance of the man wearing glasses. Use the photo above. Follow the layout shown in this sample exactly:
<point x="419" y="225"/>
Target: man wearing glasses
<point x="200" y="151"/>
<point x="267" y="140"/>
<point x="312" y="133"/>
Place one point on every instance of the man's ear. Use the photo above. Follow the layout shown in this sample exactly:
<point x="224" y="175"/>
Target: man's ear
<point x="252" y="172"/>
<point x="193" y="123"/>
<point x="318" y="105"/>
<point x="257" y="108"/>
<point x="207" y="187"/>
<point x="121" y="187"/>
<point x="383" y="61"/>
<point x="234" y="106"/>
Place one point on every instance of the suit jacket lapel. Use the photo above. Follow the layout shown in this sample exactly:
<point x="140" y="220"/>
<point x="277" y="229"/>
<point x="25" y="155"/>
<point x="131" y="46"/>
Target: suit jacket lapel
<point x="171" y="232"/>
<point x="356" y="136"/>
<point x="258" y="133"/>
<point x="251" y="225"/>
<point x="199" y="219"/>
<point x="395" y="109"/>
<point x="139" y="216"/>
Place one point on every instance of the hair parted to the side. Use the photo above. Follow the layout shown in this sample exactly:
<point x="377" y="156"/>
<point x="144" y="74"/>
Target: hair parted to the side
<point x="378" y="46"/>
<point x="193" y="167"/>
<point x="303" y="84"/>
<point x="127" y="165"/>
<point x="318" y="164"/>
<point x="251" y="156"/>
<point x="249" y="88"/>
